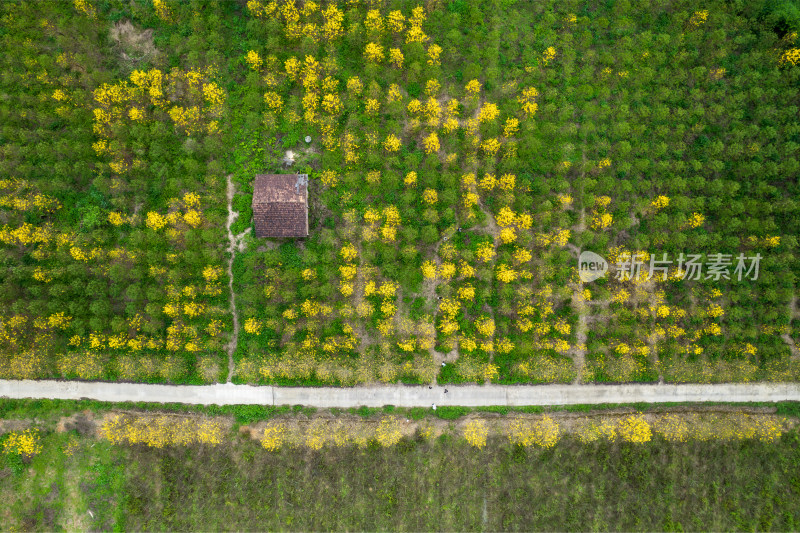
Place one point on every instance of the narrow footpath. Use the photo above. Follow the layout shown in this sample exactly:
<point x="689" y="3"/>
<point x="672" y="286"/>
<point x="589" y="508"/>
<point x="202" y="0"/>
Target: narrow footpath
<point x="234" y="245"/>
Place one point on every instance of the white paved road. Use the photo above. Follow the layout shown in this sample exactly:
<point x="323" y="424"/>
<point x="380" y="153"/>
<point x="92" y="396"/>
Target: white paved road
<point x="401" y="396"/>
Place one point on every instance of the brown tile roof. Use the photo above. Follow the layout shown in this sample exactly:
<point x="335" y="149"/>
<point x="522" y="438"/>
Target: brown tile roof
<point x="280" y="205"/>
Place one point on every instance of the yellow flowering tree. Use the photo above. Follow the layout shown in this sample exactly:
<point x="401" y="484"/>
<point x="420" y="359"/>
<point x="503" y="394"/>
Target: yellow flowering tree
<point x="544" y="432"/>
<point x="25" y="443"/>
<point x="475" y="431"/>
<point x="373" y="53"/>
<point x="431" y="143"/>
<point x="273" y="436"/>
<point x="634" y="429"/>
<point x="388" y="431"/>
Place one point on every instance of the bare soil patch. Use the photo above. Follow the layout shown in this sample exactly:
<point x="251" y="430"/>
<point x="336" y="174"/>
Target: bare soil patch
<point x="134" y="45"/>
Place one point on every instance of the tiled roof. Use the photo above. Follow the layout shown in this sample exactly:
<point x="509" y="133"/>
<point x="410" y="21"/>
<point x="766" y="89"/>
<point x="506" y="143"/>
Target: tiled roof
<point x="280" y="205"/>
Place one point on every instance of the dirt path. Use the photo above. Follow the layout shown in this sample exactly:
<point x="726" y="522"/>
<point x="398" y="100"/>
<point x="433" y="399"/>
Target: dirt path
<point x="581" y="308"/>
<point x="794" y="346"/>
<point x="428" y="293"/>
<point x="581" y="329"/>
<point x="235" y="243"/>
<point x="491" y="225"/>
<point x="578" y="304"/>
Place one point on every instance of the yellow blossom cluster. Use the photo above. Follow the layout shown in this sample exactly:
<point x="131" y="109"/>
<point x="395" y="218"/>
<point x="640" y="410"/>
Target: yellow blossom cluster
<point x="466" y="292"/>
<point x="190" y="98"/>
<point x="449" y="309"/>
<point x="511" y="127"/>
<point x="388" y="431"/>
<point x="527" y="101"/>
<point x="504" y="346"/>
<point x="396" y="57"/>
<point x="475" y="431"/>
<point x="548" y="55"/>
<point x="414" y="34"/>
<point x="634" y="429"/>
<point x="699" y="17"/>
<point x="488" y="112"/>
<point x="473" y="87"/>
<point x="790" y="57"/>
<point x="162" y="10"/>
<point x="348" y="271"/>
<point x="769" y="241"/>
<point x="26" y="202"/>
<point x="273" y="100"/>
<point x="490" y="146"/>
<point x="696" y="220"/>
<point x="85" y="7"/>
<point x="506" y="274"/>
<point x="393" y="94"/>
<point x="485" y="326"/>
<point x="373" y="53"/>
<point x="392" y="143"/>
<point x="372" y="106"/>
<point x="429" y="269"/>
<point x="434" y="51"/>
<point x="331" y="104"/>
<point x="373" y="21"/>
<point x="254" y="60"/>
<point x="190" y="216"/>
<point x="681" y="427"/>
<point x="26" y="443"/>
<point x="430" y="196"/>
<point x="86" y="364"/>
<point x="390" y="216"/>
<point x="321" y="432"/>
<point x="565" y="200"/>
<point x="601" y="219"/>
<point x="544" y="432"/>
<point x="470" y="196"/>
<point x="273" y="436"/>
<point x="26" y="234"/>
<point x="510" y="222"/>
<point x="23" y="364"/>
<point x="485" y="251"/>
<point x="660" y="202"/>
<point x="348" y="252"/>
<point x="309" y="21"/>
<point x="252" y="326"/>
<point x="329" y="178"/>
<point x="431" y="143"/>
<point x="521" y="255"/>
<point x="160" y="431"/>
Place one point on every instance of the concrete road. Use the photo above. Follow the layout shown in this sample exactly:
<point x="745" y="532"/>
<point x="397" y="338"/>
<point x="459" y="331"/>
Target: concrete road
<point x="399" y="395"/>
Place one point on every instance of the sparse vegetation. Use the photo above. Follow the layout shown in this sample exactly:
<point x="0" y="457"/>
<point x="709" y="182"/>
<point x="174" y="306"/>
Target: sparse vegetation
<point x="539" y="479"/>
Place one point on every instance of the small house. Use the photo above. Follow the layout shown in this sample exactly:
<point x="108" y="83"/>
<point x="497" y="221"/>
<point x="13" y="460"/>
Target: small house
<point x="280" y="205"/>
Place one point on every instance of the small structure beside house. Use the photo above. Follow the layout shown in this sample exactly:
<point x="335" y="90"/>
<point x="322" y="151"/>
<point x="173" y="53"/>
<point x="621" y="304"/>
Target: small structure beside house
<point x="280" y="205"/>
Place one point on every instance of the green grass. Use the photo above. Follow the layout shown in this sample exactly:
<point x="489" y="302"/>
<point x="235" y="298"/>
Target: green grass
<point x="54" y="491"/>
<point x="417" y="486"/>
<point x="52" y="410"/>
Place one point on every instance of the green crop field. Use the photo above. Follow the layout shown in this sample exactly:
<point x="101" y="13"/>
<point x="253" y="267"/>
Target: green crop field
<point x="461" y="155"/>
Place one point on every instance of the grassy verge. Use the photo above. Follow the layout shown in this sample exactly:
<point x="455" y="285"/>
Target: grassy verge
<point x="417" y="485"/>
<point x="49" y="410"/>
